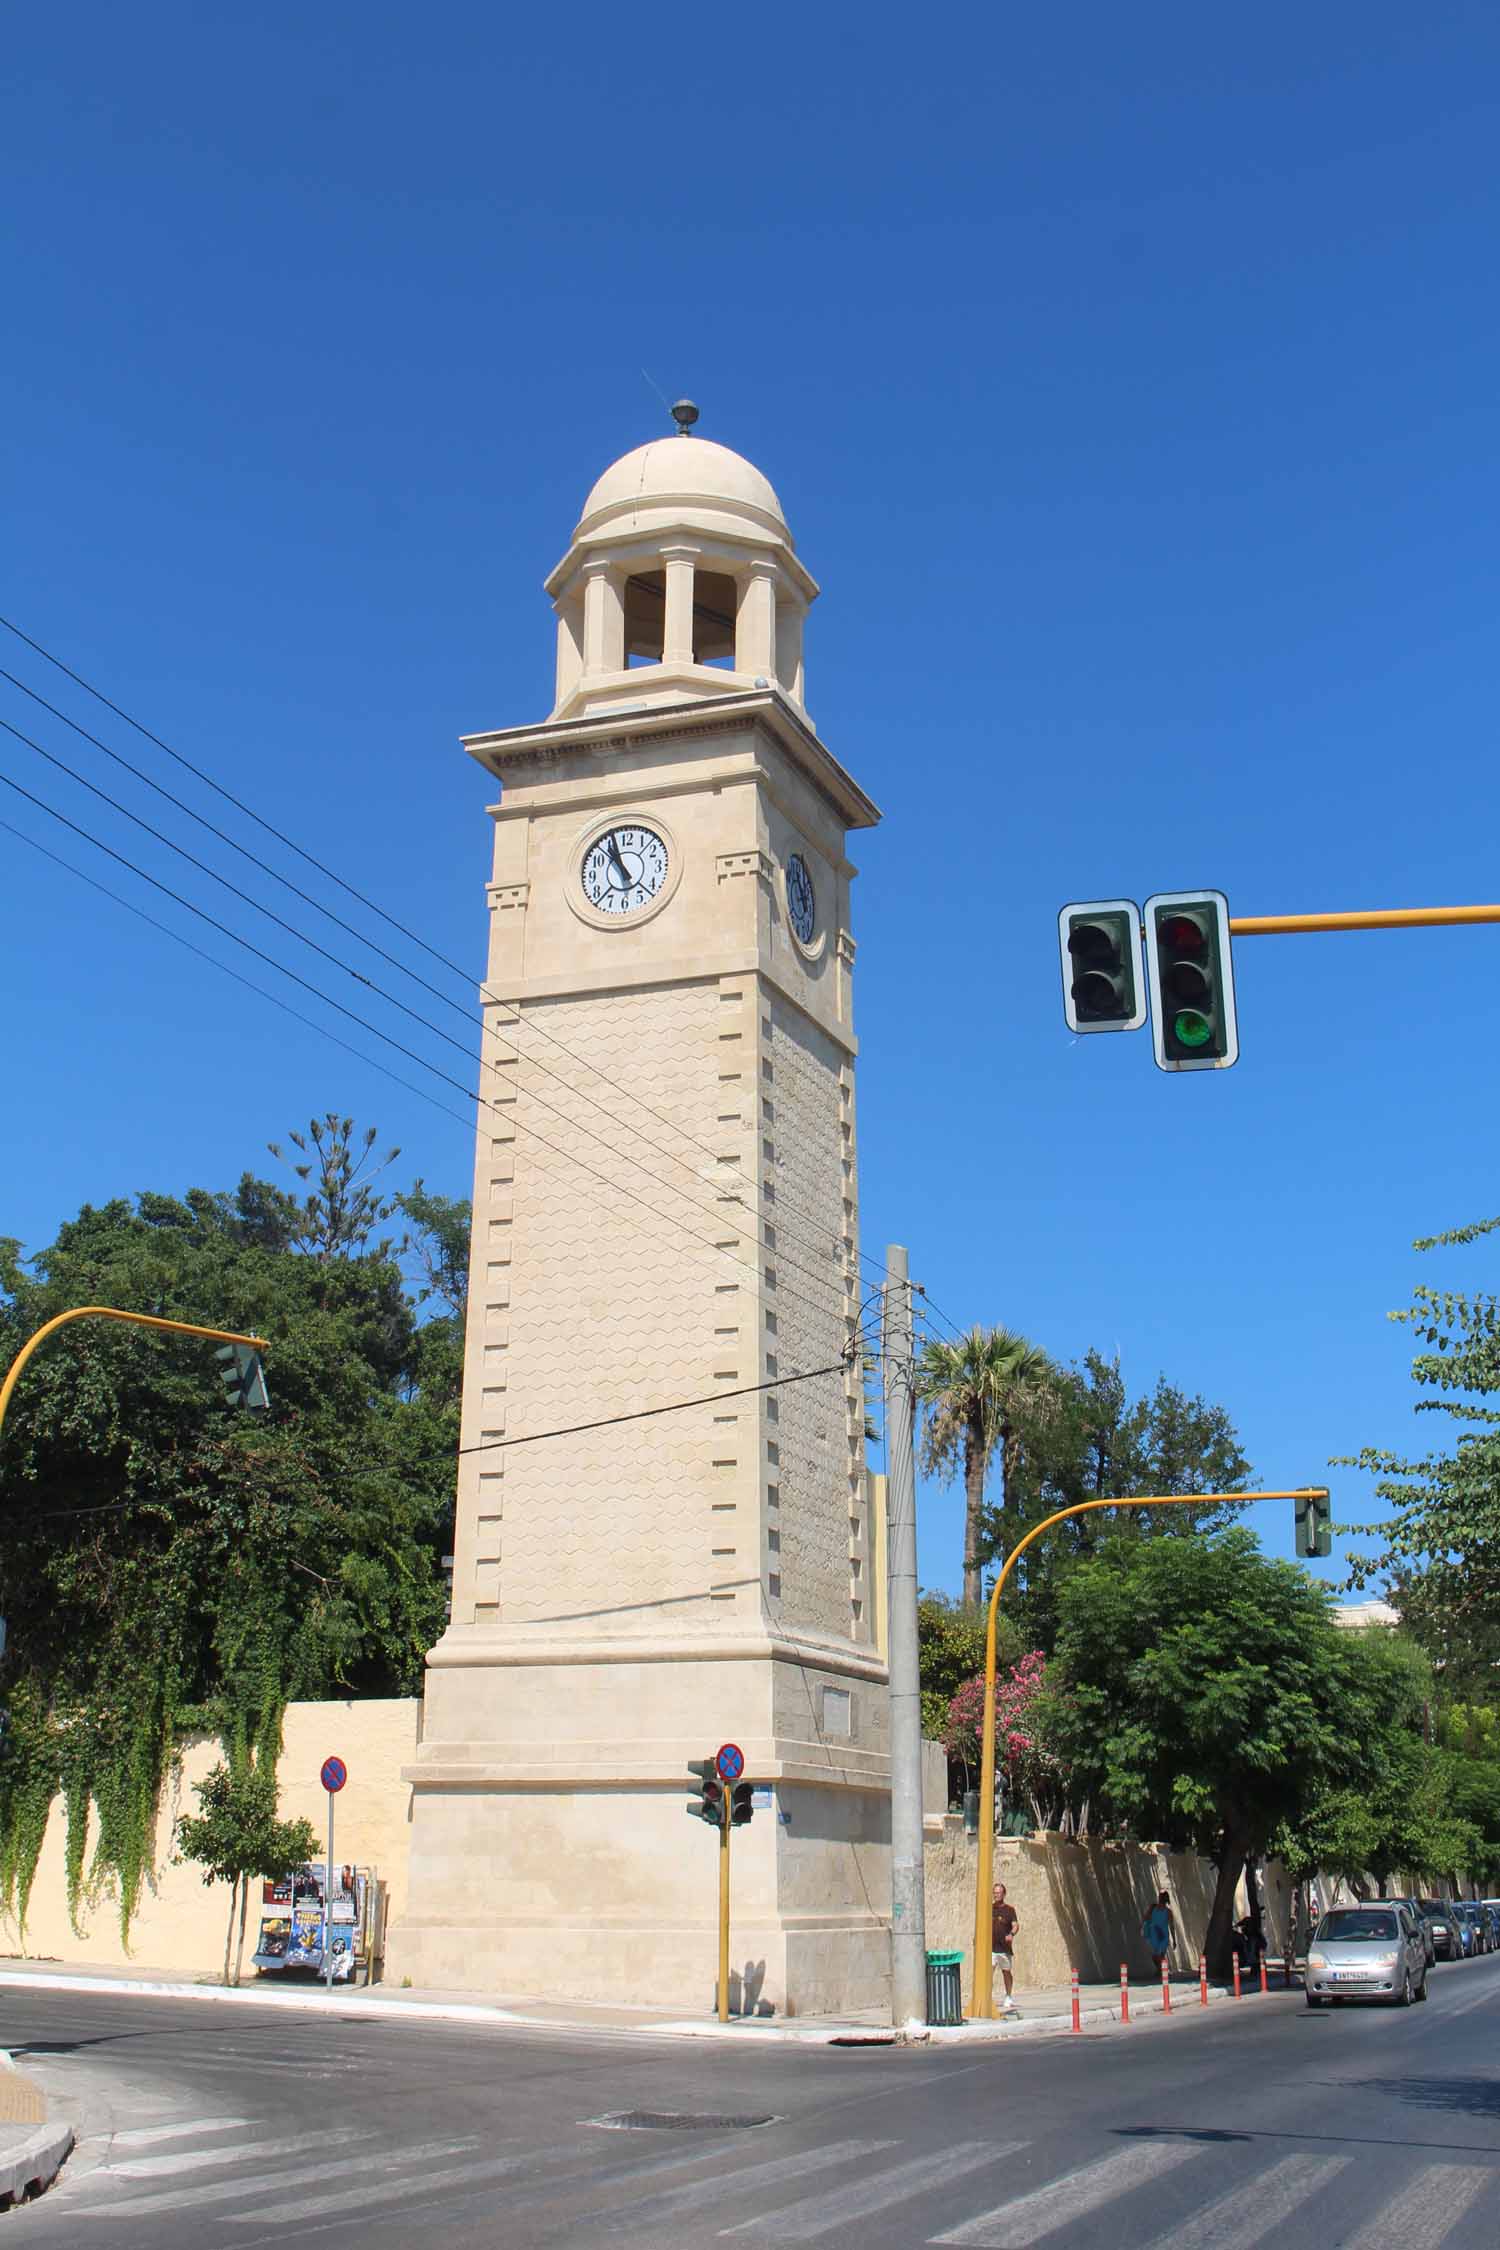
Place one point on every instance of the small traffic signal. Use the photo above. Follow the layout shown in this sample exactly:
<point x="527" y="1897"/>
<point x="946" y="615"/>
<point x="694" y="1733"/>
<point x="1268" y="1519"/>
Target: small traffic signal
<point x="1314" y="1528"/>
<point x="243" y="1377"/>
<point x="742" y="1805"/>
<point x="1101" y="955"/>
<point x="1192" y="983"/>
<point x="707" y="1801"/>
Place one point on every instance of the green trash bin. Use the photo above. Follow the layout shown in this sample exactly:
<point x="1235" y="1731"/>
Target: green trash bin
<point x="945" y="2001"/>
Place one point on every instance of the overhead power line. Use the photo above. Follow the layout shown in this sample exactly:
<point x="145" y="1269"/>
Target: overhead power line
<point x="371" y="905"/>
<point x="718" y="1250"/>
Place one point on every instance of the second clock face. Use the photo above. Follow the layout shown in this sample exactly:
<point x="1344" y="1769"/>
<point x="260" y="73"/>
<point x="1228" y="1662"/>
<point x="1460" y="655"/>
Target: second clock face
<point x="800" y="903"/>
<point x="624" y="869"/>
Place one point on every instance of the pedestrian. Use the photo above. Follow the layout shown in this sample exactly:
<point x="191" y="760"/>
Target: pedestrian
<point x="1004" y="1923"/>
<point x="1156" y="1929"/>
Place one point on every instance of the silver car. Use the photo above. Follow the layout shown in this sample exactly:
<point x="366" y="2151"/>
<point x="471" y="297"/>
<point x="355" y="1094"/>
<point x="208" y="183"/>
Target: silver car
<point x="1372" y="1952"/>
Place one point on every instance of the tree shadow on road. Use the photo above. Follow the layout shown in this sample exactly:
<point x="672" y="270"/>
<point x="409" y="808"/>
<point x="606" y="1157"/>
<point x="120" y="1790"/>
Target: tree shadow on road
<point x="1460" y="2097"/>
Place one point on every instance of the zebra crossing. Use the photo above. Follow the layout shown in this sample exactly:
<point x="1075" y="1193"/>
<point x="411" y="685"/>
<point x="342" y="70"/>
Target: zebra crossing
<point x="246" y="2183"/>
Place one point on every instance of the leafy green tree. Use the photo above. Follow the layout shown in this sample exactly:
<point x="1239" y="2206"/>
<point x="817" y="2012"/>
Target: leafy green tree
<point x="342" y="1206"/>
<point x="172" y="1566"/>
<point x="237" y="1839"/>
<point x="1083" y="1438"/>
<point x="1441" y="1543"/>
<point x="973" y="1392"/>
<point x="1209" y="1697"/>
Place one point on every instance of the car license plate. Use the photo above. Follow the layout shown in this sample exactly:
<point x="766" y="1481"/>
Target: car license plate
<point x="1353" y="1976"/>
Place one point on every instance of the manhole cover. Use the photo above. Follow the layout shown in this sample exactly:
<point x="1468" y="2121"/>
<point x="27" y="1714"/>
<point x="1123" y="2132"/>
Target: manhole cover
<point x="678" y="2121"/>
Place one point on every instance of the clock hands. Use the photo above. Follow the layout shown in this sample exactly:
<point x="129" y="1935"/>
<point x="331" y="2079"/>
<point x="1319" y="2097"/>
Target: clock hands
<point x="626" y="878"/>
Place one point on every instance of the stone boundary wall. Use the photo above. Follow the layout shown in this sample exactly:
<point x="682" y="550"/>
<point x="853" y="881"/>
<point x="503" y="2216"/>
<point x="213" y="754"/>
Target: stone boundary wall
<point x="1081" y="1904"/>
<point x="181" y="1921"/>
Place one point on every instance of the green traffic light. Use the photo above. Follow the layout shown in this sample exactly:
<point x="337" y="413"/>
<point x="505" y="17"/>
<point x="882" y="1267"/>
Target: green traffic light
<point x="1192" y="1029"/>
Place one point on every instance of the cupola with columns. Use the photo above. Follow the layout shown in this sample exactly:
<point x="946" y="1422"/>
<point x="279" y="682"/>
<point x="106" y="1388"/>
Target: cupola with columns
<point x="681" y="581"/>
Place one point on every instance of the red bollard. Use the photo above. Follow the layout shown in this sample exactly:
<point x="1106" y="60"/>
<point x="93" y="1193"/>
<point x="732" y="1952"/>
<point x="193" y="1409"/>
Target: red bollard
<point x="1202" y="1980"/>
<point x="1237" y="1976"/>
<point x="1166" y="1990"/>
<point x="1263" y="1984"/>
<point x="1124" y="1993"/>
<point x="1077" y="2025"/>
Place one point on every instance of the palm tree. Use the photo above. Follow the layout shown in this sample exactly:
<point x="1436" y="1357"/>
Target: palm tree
<point x="971" y="1390"/>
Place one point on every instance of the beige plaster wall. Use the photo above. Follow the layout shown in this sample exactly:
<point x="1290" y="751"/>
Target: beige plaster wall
<point x="1080" y="1905"/>
<point x="181" y="1922"/>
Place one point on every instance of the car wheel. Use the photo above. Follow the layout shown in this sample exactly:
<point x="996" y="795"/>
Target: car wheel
<point x="1314" y="2000"/>
<point x="1403" y="1997"/>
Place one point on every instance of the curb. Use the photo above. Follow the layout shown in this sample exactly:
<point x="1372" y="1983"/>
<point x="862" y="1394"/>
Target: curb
<point x="360" y="2002"/>
<point x="35" y="2164"/>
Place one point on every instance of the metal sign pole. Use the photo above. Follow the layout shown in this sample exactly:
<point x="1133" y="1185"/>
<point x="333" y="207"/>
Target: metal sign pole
<point x="328" y="1904"/>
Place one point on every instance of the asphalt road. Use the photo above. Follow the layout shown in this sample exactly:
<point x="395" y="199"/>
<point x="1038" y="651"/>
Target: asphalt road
<point x="1340" y="2130"/>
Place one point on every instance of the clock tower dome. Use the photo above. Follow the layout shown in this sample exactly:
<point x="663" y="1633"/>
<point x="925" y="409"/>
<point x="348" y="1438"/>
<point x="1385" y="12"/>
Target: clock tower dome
<point x="662" y="1538"/>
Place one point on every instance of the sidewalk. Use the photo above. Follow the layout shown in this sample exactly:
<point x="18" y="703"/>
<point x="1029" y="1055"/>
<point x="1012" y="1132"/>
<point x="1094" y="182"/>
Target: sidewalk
<point x="31" y="2150"/>
<point x="1044" y="2009"/>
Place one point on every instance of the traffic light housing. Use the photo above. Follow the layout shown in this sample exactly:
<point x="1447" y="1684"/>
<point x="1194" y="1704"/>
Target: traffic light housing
<point x="1101" y="965"/>
<point x="742" y="1805"/>
<point x="243" y="1377"/>
<point x="1191" y="980"/>
<point x="707" y="1802"/>
<point x="1314" y="1527"/>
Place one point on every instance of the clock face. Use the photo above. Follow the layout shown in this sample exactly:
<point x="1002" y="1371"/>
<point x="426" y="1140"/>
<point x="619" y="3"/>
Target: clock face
<point x="624" y="869"/>
<point x="800" y="904"/>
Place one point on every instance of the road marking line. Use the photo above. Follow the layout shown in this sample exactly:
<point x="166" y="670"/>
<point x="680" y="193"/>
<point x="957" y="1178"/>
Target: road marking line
<point x="1246" y="2214"/>
<point x="142" y="2136"/>
<point x="771" y="2172"/>
<point x="819" y="2214"/>
<point x="199" y="2159"/>
<point x="378" y="2191"/>
<point x="252" y="2182"/>
<point x="1012" y="2226"/>
<point x="1425" y="2213"/>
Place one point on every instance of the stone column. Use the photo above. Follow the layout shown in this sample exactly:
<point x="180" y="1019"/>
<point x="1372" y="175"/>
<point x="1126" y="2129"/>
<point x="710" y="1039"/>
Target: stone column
<point x="755" y="621"/>
<point x="603" y="620"/>
<point x="789" y="618"/>
<point x="569" y="650"/>
<point x="677" y="637"/>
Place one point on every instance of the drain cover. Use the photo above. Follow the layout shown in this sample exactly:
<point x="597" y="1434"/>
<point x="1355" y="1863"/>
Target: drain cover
<point x="678" y="2121"/>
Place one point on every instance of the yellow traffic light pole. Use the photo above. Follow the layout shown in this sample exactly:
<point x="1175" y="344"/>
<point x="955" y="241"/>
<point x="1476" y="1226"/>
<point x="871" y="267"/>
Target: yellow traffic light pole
<point x="724" y="1827"/>
<point x="984" y="1880"/>
<point x="113" y="1312"/>
<point x="1377" y="918"/>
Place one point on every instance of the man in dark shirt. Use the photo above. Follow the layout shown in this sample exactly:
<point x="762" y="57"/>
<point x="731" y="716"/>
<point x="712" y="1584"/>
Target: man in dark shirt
<point x="1004" y="1923"/>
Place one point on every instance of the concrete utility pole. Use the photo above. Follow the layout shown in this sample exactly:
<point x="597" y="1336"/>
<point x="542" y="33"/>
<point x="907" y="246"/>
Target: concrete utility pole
<point x="908" y="1895"/>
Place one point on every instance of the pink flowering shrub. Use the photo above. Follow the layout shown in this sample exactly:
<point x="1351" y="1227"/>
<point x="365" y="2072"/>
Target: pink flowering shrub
<point x="1028" y="1767"/>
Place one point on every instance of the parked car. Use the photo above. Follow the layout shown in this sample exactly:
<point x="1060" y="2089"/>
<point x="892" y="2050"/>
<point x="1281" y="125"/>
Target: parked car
<point x="1468" y="1933"/>
<point x="1479" y="1922"/>
<point x="1490" y="1909"/>
<point x="1424" y="1927"/>
<point x="1447" y="1944"/>
<point x="1372" y="1952"/>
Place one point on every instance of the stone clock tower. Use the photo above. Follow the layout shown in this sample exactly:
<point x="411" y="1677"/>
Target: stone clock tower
<point x="665" y="1211"/>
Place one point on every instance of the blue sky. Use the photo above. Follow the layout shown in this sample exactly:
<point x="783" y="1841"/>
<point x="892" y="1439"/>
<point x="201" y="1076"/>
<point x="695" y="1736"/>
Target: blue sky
<point x="1129" y="382"/>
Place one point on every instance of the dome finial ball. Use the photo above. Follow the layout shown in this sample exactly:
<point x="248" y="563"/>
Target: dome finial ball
<point x="684" y="414"/>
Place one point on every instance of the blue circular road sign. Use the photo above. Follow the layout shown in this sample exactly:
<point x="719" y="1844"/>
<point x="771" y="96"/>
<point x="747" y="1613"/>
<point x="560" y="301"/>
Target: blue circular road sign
<point x="730" y="1763"/>
<point x="335" y="1773"/>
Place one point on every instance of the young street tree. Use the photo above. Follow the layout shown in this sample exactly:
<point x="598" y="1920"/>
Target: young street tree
<point x="236" y="1838"/>
<point x="972" y="1391"/>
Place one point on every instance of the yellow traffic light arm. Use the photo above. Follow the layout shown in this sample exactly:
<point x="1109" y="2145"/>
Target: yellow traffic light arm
<point x="1378" y="918"/>
<point x="983" y="1997"/>
<point x="113" y="1312"/>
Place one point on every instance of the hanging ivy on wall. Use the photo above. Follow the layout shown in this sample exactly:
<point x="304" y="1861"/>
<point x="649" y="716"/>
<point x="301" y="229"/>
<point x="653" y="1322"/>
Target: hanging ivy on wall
<point x="174" y="1567"/>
